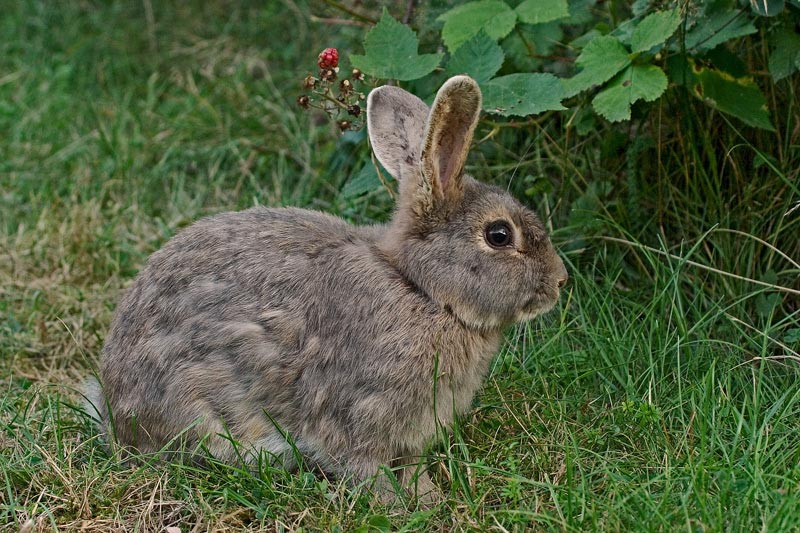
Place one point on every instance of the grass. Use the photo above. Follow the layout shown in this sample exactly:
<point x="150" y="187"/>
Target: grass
<point x="660" y="395"/>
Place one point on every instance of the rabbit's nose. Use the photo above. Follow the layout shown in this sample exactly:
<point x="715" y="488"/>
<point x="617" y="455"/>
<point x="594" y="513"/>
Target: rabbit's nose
<point x="563" y="281"/>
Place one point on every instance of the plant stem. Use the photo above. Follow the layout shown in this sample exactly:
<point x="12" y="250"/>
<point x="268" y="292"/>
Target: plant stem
<point x="355" y="14"/>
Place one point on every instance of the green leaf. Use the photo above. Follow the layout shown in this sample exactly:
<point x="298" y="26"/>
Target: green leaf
<point x="375" y="524"/>
<point x="792" y="336"/>
<point x="522" y="94"/>
<point x="723" y="59"/>
<point x="716" y="26"/>
<point x="637" y="82"/>
<point x="480" y="57"/>
<point x="366" y="180"/>
<point x="785" y="57"/>
<point x="494" y="17"/>
<point x="391" y="52"/>
<point x="380" y="523"/>
<point x="655" y="29"/>
<point x="539" y="11"/>
<point x="739" y="97"/>
<point x="600" y="60"/>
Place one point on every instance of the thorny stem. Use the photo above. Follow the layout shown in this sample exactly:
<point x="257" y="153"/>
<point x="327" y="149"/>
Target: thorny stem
<point x="328" y="95"/>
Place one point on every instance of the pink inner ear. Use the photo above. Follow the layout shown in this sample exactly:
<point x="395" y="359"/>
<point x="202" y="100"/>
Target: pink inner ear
<point x="449" y="154"/>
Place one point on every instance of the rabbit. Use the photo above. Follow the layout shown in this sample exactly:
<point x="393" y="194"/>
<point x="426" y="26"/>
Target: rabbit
<point x="287" y="330"/>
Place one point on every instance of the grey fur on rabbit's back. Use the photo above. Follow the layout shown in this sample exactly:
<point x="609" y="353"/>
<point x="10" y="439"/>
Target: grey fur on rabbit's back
<point x="267" y="323"/>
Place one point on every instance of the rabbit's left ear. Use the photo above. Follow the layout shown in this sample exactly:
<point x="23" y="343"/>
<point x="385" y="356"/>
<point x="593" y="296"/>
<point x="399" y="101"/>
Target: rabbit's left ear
<point x="448" y="135"/>
<point x="396" y="122"/>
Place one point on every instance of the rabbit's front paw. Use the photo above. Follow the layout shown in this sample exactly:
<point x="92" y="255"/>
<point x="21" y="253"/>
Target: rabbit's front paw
<point x="427" y="492"/>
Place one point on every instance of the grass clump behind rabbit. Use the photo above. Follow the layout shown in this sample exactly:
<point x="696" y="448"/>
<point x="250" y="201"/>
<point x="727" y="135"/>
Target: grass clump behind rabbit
<point x="267" y="323"/>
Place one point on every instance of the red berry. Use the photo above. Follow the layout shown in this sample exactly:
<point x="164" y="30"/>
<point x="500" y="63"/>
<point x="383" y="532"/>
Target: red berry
<point x="328" y="58"/>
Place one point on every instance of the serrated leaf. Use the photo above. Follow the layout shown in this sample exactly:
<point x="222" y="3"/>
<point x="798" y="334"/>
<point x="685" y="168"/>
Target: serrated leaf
<point x="539" y="11"/>
<point x="522" y="94"/>
<point x="716" y="26"/>
<point x="637" y="82"/>
<point x="480" y="57"/>
<point x="391" y="52"/>
<point x="739" y="97"/>
<point x="655" y="29"/>
<point x="600" y="60"/>
<point x="785" y="57"/>
<point x="494" y="17"/>
<point x="366" y="180"/>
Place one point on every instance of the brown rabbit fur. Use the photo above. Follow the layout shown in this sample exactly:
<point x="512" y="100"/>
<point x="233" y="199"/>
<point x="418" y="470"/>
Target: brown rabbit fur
<point x="270" y="324"/>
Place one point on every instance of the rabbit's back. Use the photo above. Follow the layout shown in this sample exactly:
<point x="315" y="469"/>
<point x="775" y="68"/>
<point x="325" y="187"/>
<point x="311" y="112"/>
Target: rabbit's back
<point x="281" y="312"/>
<point x="232" y="266"/>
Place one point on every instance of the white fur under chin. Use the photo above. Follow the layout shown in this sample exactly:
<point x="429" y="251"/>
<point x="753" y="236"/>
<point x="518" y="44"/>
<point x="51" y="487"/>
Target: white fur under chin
<point x="473" y="320"/>
<point x="525" y="316"/>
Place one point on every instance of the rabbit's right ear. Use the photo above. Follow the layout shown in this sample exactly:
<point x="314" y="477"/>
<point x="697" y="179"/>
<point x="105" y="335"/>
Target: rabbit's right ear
<point x="448" y="134"/>
<point x="396" y="121"/>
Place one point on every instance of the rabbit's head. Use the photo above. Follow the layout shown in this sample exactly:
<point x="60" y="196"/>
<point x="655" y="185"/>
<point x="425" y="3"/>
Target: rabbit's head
<point x="471" y="247"/>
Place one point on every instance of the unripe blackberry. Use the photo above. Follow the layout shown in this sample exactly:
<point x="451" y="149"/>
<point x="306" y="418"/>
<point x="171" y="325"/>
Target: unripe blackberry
<point x="327" y="74"/>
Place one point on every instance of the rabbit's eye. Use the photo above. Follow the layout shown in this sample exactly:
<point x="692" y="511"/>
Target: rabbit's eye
<point x="498" y="234"/>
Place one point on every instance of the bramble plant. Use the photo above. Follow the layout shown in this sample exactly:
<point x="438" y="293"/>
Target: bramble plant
<point x="618" y="62"/>
<point x="587" y="61"/>
<point x="334" y="98"/>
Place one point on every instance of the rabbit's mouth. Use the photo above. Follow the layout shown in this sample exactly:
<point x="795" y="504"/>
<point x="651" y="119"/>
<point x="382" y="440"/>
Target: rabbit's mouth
<point x="541" y="302"/>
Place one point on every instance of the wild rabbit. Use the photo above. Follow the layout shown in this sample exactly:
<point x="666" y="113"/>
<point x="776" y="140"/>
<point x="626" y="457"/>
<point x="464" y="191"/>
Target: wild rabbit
<point x="275" y="326"/>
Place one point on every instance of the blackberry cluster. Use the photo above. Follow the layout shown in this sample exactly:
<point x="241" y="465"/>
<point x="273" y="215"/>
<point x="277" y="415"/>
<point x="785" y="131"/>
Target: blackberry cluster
<point x="342" y="101"/>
